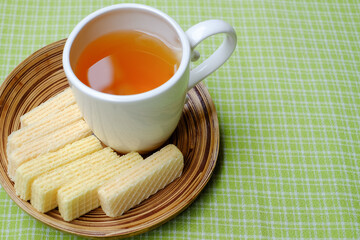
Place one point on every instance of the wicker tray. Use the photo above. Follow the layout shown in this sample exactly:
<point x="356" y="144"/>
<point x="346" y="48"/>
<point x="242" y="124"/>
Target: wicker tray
<point x="40" y="77"/>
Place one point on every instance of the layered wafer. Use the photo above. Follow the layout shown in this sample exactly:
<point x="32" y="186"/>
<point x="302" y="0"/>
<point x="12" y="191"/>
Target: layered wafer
<point x="47" y="143"/>
<point x="43" y="127"/>
<point x="80" y="196"/>
<point x="143" y="180"/>
<point x="52" y="105"/>
<point x="44" y="188"/>
<point x="29" y="171"/>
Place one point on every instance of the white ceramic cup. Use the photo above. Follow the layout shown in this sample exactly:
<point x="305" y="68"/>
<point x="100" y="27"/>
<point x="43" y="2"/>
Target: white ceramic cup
<point x="142" y="122"/>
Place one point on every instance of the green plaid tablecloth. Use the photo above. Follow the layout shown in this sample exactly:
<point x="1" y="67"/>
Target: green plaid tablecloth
<point x="288" y="103"/>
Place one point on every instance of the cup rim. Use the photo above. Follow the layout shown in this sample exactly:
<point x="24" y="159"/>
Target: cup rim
<point x="73" y="80"/>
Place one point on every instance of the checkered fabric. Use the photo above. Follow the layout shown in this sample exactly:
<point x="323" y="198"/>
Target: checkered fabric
<point x="288" y="103"/>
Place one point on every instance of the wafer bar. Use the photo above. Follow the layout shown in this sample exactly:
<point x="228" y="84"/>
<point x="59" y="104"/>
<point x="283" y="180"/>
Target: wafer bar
<point x="143" y="180"/>
<point x="43" y="127"/>
<point x="52" y="105"/>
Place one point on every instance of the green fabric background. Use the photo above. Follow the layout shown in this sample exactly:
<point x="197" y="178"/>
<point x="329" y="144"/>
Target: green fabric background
<point x="288" y="103"/>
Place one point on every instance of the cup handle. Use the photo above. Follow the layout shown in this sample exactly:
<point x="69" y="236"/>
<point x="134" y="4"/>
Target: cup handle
<point x="200" y="32"/>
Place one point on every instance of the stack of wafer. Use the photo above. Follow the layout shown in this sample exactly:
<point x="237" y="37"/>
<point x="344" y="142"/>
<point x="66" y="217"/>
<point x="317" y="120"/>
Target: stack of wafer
<point x="46" y="128"/>
<point x="55" y="161"/>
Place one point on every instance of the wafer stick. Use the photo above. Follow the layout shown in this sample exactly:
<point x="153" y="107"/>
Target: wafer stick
<point x="138" y="183"/>
<point x="53" y="105"/>
<point x="43" y="127"/>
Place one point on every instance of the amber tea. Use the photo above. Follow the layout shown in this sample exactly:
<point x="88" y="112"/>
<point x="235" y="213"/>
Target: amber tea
<point x="126" y="62"/>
